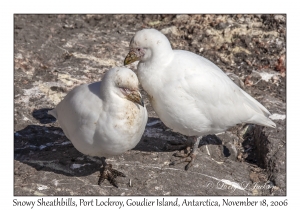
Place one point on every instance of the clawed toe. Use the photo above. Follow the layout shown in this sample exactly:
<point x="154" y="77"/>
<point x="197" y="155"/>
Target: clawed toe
<point x="191" y="161"/>
<point x="107" y="172"/>
<point x="189" y="158"/>
<point x="182" y="160"/>
<point x="188" y="155"/>
<point x="183" y="153"/>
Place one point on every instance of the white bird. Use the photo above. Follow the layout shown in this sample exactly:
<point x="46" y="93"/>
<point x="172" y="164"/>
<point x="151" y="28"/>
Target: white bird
<point x="104" y="118"/>
<point x="189" y="93"/>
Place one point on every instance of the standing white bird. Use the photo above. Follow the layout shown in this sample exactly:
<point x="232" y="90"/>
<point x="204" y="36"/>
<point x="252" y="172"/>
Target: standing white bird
<point x="189" y="93"/>
<point x="104" y="118"/>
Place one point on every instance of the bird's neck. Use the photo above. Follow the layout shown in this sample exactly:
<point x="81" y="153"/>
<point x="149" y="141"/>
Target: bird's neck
<point x="151" y="71"/>
<point x="150" y="74"/>
<point x="161" y="56"/>
<point x="106" y="91"/>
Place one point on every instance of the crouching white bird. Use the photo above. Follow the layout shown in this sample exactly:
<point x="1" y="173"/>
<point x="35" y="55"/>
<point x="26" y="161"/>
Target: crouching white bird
<point x="189" y="93"/>
<point x="104" y="118"/>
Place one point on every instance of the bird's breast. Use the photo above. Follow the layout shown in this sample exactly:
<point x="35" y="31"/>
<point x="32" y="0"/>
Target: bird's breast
<point x="131" y="115"/>
<point x="129" y="119"/>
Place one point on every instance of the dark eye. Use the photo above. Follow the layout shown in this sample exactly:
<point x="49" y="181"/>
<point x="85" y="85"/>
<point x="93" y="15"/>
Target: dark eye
<point x="139" y="49"/>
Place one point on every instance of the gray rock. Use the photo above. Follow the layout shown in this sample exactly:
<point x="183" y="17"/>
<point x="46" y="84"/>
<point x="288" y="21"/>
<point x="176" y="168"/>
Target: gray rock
<point x="171" y="30"/>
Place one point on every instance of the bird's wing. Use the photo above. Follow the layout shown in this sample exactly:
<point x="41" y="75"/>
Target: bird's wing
<point x="211" y="92"/>
<point x="79" y="110"/>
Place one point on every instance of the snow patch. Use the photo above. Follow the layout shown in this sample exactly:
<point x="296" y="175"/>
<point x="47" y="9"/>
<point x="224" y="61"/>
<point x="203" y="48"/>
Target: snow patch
<point x="266" y="76"/>
<point x="42" y="187"/>
<point x="277" y="116"/>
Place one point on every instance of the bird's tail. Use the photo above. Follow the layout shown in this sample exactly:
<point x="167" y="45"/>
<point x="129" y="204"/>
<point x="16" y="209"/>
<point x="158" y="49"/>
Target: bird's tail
<point x="262" y="120"/>
<point x="260" y="115"/>
<point x="256" y="104"/>
<point x="270" y="123"/>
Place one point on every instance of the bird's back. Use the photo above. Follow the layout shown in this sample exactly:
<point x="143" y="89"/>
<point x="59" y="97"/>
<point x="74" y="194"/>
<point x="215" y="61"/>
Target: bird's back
<point x="81" y="106"/>
<point x="198" y="98"/>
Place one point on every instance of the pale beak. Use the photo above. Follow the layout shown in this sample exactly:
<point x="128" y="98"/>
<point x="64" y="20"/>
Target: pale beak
<point x="133" y="95"/>
<point x="131" y="57"/>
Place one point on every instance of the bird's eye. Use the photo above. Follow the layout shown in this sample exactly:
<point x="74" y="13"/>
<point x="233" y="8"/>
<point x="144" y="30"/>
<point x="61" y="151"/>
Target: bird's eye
<point x="126" y="90"/>
<point x="139" y="49"/>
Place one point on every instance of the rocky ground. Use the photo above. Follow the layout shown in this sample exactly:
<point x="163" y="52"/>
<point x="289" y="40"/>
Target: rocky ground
<point x="55" y="53"/>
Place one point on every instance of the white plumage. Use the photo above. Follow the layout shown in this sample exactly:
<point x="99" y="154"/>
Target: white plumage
<point x="189" y="93"/>
<point x="104" y="118"/>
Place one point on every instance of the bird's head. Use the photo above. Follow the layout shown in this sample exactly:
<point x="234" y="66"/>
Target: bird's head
<point x="145" y="43"/>
<point x="125" y="84"/>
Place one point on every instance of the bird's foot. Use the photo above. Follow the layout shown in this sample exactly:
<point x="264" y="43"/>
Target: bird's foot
<point x="187" y="155"/>
<point x="107" y="172"/>
<point x="189" y="158"/>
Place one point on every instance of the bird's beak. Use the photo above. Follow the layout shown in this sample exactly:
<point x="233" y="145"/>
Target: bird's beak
<point x="136" y="97"/>
<point x="131" y="57"/>
<point x="133" y="95"/>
